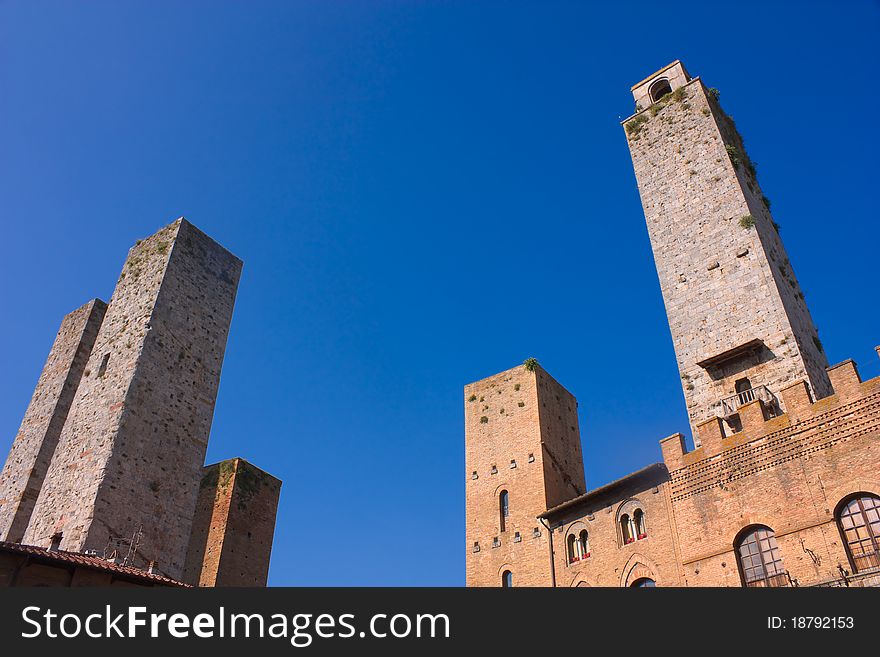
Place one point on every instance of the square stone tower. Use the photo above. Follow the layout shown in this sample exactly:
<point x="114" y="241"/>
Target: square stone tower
<point x="40" y="429"/>
<point x="522" y="456"/>
<point x="129" y="459"/>
<point x="739" y="322"/>
<point x="232" y="530"/>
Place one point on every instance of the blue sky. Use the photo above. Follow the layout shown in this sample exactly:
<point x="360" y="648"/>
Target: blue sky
<point x="423" y="194"/>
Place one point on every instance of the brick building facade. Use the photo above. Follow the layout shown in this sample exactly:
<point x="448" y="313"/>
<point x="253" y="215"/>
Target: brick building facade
<point x="782" y="488"/>
<point x="110" y="454"/>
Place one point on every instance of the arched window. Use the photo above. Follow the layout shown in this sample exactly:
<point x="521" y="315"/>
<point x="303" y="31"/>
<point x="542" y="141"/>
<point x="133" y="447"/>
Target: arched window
<point x="627" y="529"/>
<point x="584" y="544"/>
<point x="759" y="559"/>
<point x="631" y="521"/>
<point x="642" y="583"/>
<point x="507" y="579"/>
<point x="639" y="524"/>
<point x="503" y="508"/>
<point x="659" y="89"/>
<point x="859" y="522"/>
<point x="571" y="544"/>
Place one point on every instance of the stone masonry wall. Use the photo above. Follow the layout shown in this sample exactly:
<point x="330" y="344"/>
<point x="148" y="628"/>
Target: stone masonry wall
<point x="723" y="284"/>
<point x="131" y="452"/>
<point x="520" y="436"/>
<point x="44" y="419"/>
<point x="231" y="541"/>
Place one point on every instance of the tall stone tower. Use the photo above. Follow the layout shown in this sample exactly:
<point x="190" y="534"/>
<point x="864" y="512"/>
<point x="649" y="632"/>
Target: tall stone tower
<point x="35" y="442"/>
<point x="129" y="458"/>
<point x="522" y="456"/>
<point x="739" y="322"/>
<point x="231" y="539"/>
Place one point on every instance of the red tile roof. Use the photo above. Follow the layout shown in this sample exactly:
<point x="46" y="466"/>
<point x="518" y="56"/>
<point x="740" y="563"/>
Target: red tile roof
<point x="87" y="561"/>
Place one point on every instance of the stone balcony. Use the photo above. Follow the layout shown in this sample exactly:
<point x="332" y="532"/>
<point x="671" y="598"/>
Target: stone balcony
<point x="730" y="405"/>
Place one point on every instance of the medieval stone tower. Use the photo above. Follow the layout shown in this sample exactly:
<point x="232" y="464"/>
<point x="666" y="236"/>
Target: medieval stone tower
<point x="232" y="529"/>
<point x="37" y="438"/>
<point x="128" y="460"/>
<point x="739" y="322"/>
<point x="522" y="456"/>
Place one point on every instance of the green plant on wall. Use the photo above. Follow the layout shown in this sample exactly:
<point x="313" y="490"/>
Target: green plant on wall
<point x="530" y="364"/>
<point x="747" y="221"/>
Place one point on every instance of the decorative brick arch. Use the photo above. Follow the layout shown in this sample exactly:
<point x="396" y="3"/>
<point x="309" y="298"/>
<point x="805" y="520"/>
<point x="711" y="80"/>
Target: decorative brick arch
<point x="505" y="566"/>
<point x="628" y="507"/>
<point x="636" y="568"/>
<point x="839" y="493"/>
<point x="579" y="580"/>
<point x="749" y="522"/>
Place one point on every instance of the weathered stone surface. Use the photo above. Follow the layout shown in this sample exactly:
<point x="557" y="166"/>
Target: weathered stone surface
<point x="40" y="429"/>
<point x="231" y="539"/>
<point x="703" y="205"/>
<point x="131" y="451"/>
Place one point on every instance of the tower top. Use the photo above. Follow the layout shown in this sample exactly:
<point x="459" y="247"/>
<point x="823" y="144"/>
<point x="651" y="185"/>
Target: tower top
<point x="658" y="84"/>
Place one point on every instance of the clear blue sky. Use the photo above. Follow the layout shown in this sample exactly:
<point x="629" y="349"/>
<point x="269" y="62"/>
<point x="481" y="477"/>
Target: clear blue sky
<point x="423" y="194"/>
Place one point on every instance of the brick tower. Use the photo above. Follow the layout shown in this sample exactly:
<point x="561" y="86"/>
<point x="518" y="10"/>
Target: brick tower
<point x="129" y="459"/>
<point x="522" y="456"/>
<point x="739" y="322"/>
<point x="37" y="438"/>
<point x="233" y="526"/>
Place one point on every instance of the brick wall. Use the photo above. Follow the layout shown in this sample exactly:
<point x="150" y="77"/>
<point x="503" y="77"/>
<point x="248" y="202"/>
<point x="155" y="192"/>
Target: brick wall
<point x="789" y="473"/>
<point x="521" y="435"/>
<point x="231" y="540"/>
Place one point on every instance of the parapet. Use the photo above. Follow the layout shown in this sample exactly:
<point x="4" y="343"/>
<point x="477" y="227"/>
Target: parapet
<point x="801" y="413"/>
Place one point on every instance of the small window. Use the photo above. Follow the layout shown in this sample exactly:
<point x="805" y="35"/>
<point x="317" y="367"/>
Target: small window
<point x="507" y="579"/>
<point x="503" y="508"/>
<point x="643" y="583"/>
<point x="639" y="524"/>
<point x="578" y="545"/>
<point x="474" y="475"/>
<point x="102" y="369"/>
<point x="55" y="542"/>
<point x="571" y="544"/>
<point x="512" y="463"/>
<point x="584" y="544"/>
<point x="627" y="529"/>
<point x="476" y="546"/>
<point x="659" y="89"/>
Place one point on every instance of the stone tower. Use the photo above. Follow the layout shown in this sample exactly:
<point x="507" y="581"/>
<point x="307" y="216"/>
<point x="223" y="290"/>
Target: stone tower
<point x="232" y="530"/>
<point x="522" y="456"/>
<point x="37" y="438"/>
<point x="129" y="458"/>
<point x="739" y="322"/>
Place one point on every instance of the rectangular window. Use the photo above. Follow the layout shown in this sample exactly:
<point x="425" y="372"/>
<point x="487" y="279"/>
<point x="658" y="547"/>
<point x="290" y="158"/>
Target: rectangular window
<point x="103" y="368"/>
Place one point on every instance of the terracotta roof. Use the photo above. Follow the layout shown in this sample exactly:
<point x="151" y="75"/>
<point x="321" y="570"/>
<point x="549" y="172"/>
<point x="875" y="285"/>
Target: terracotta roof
<point x="86" y="561"/>
<point x="653" y="469"/>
